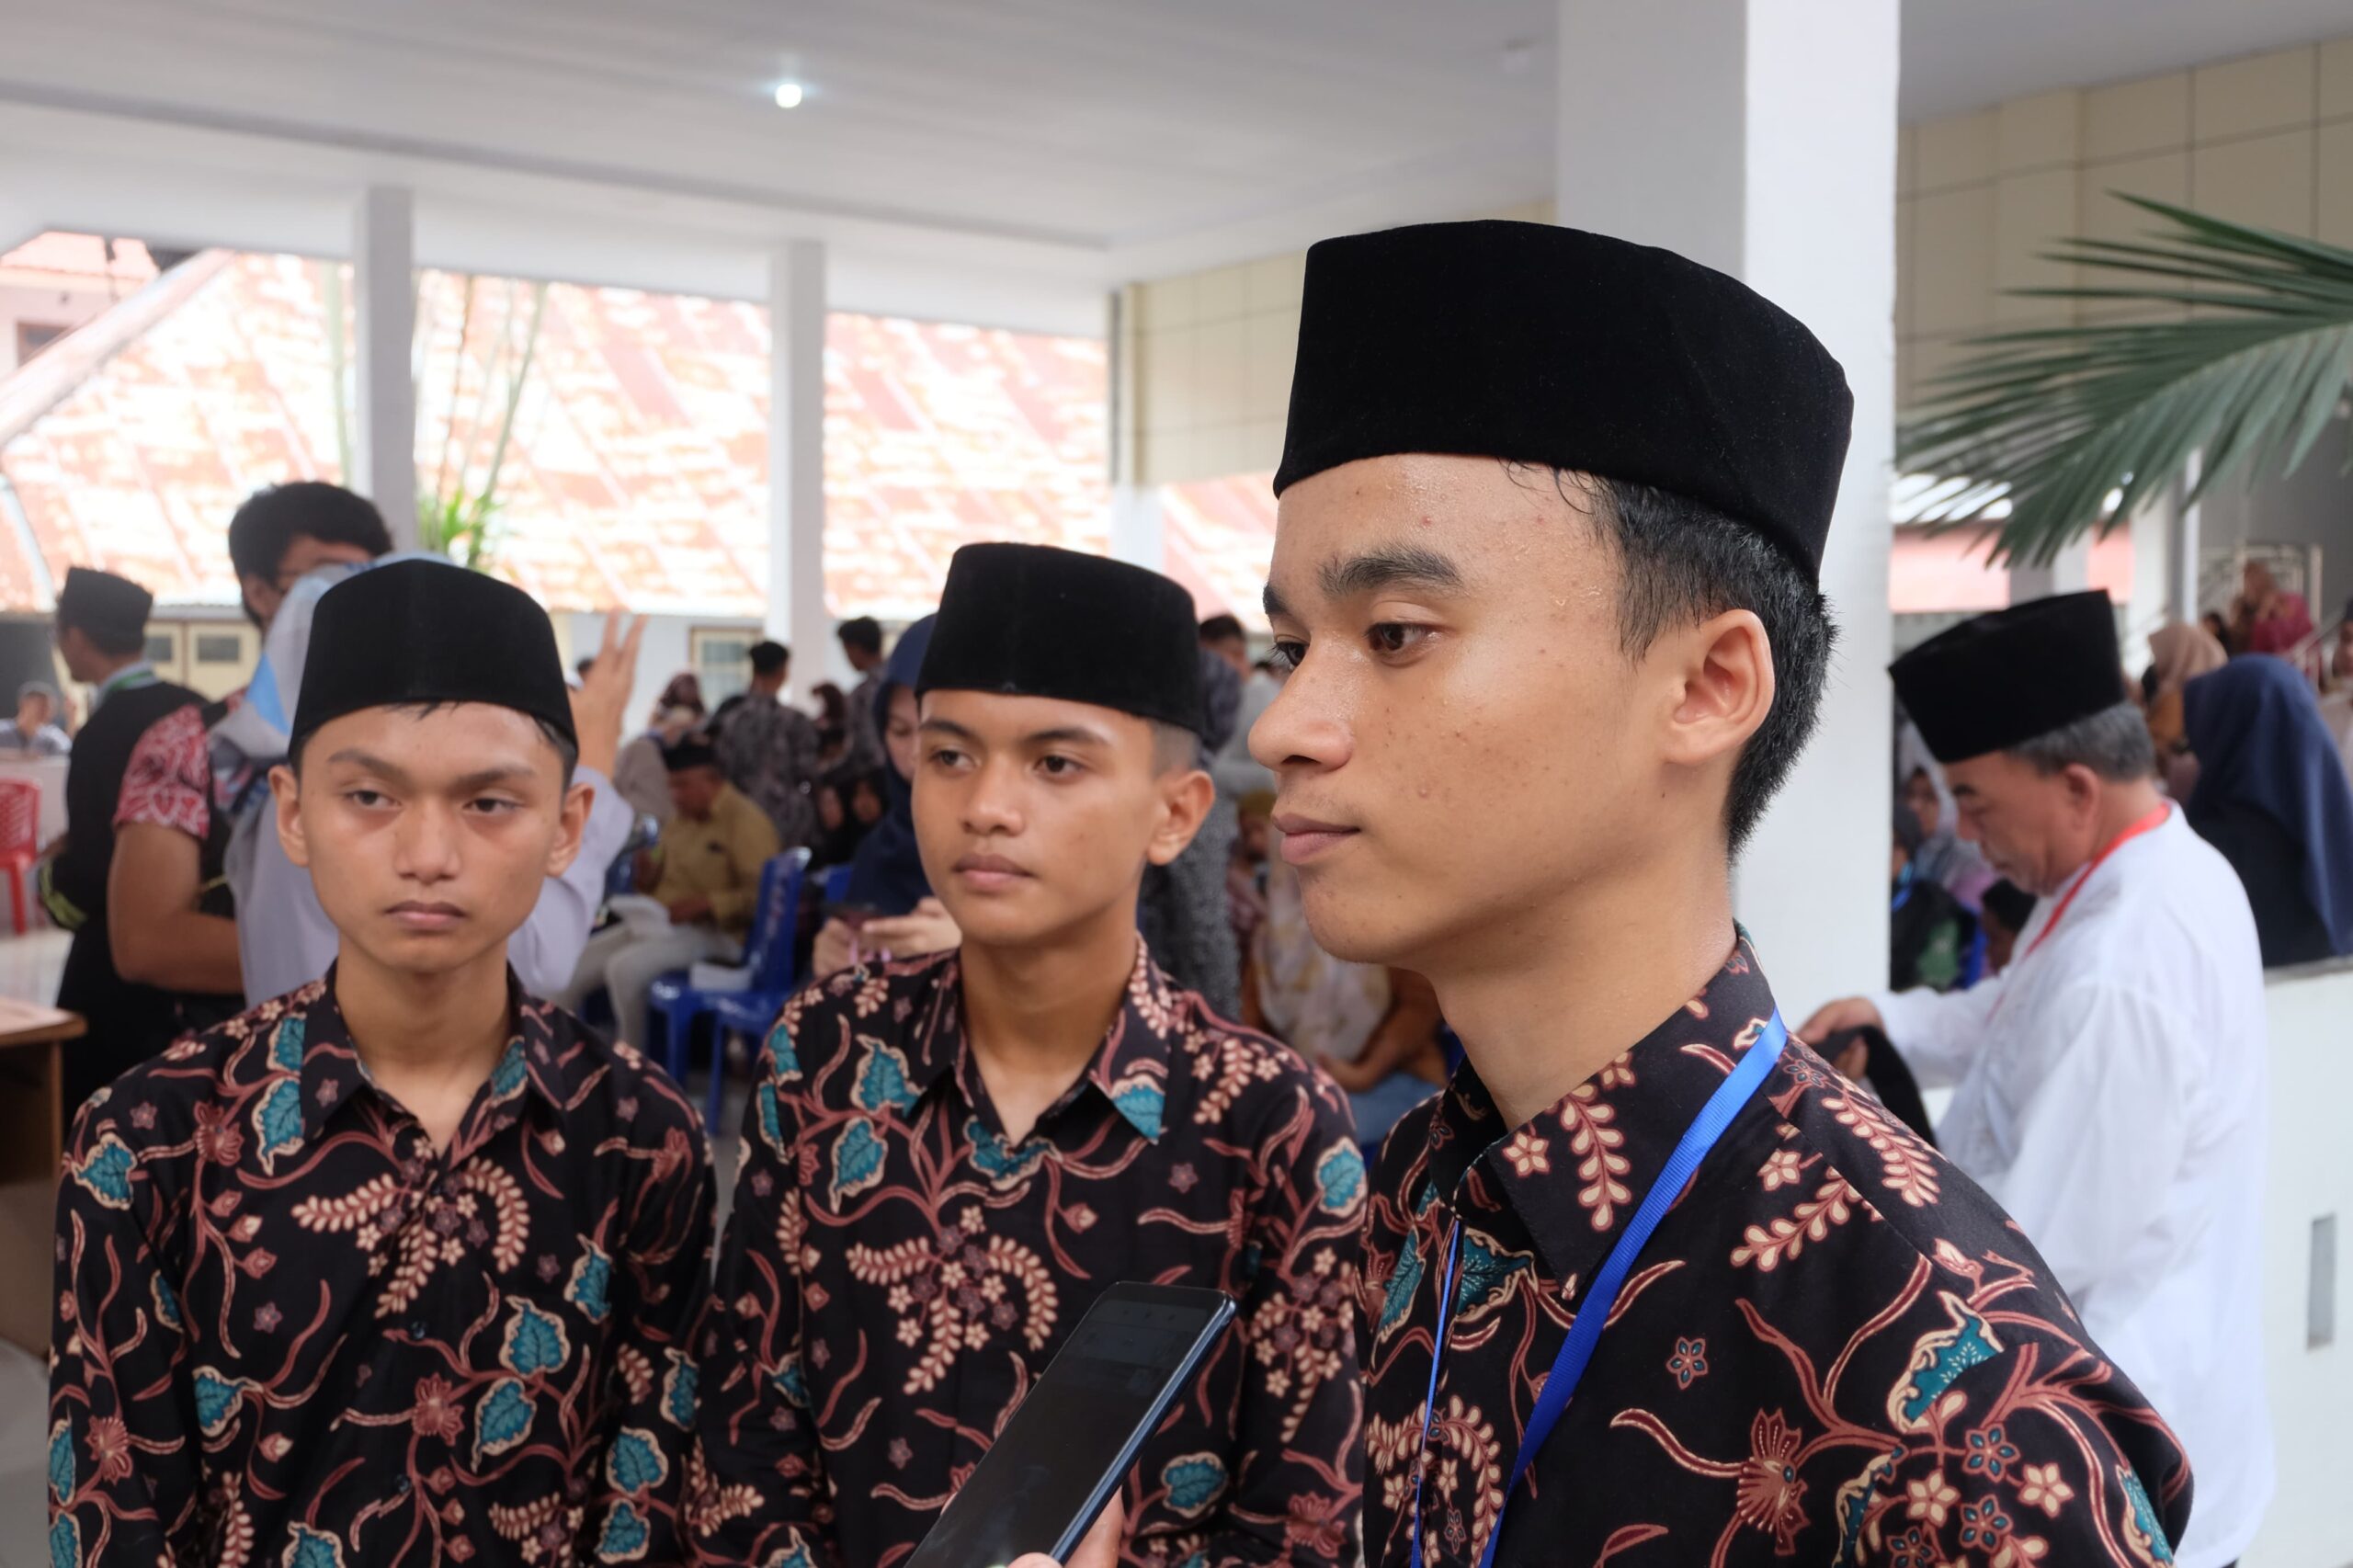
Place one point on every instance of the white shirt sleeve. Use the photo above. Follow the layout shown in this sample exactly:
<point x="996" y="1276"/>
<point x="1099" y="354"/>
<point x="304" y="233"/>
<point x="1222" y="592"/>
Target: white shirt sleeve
<point x="1938" y="1034"/>
<point x="2101" y="1135"/>
<point x="547" y="950"/>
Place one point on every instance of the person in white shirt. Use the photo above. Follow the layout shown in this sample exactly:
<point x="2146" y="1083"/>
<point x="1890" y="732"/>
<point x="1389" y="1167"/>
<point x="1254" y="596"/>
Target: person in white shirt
<point x="2109" y="1087"/>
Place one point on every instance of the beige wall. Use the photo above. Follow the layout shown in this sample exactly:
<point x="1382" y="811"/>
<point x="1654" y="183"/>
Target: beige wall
<point x="2264" y="140"/>
<point x="2267" y="139"/>
<point x="1211" y="358"/>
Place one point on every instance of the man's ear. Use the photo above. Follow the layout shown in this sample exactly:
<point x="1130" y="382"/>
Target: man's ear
<point x="285" y="792"/>
<point x="571" y="822"/>
<point x="1185" y="797"/>
<point x="1723" y="676"/>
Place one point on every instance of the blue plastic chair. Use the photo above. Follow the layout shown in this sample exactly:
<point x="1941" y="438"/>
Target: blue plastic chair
<point x="768" y="953"/>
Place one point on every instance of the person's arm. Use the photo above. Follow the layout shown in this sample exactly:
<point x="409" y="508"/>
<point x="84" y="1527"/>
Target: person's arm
<point x="124" y="1461"/>
<point x="1297" y="1456"/>
<point x="756" y="1434"/>
<point x="1403" y="1035"/>
<point x="547" y="949"/>
<point x="158" y="935"/>
<point x="2020" y="1450"/>
<point x="1938" y="1034"/>
<point x="161" y="815"/>
<point x="661" y="1288"/>
<point x="752" y="843"/>
<point x="2085" y="1186"/>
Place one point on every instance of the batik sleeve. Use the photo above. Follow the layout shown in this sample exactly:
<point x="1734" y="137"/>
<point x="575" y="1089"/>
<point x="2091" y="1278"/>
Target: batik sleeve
<point x="660" y="1283"/>
<point x="2017" y="1459"/>
<point x="761" y="1489"/>
<point x="1299" y="1474"/>
<point x="126" y="1429"/>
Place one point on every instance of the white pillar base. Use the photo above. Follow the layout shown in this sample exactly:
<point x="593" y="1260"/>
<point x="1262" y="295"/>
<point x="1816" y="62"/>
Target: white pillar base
<point x="797" y="612"/>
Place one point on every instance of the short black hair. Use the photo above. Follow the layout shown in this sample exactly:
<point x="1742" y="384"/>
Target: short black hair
<point x="567" y="751"/>
<point x="274" y="516"/>
<point x="1174" y="748"/>
<point x="1223" y="628"/>
<point x="114" y="642"/>
<point x="863" y="633"/>
<point x="1682" y="561"/>
<point x="769" y="658"/>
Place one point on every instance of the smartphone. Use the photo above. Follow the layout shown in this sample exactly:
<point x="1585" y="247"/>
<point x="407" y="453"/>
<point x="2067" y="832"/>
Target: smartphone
<point x="1073" y="1440"/>
<point x="853" y="916"/>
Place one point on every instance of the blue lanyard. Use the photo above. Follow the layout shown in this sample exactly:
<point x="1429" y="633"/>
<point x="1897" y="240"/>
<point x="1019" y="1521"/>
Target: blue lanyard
<point x="1593" y="1316"/>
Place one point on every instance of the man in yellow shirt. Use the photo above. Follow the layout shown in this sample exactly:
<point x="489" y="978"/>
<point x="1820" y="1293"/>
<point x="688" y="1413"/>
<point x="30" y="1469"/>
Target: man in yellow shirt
<point x="705" y="871"/>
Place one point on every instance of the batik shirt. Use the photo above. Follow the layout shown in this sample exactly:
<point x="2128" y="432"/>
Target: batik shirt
<point x="897" y="1273"/>
<point x="289" y="1330"/>
<point x="1835" y="1349"/>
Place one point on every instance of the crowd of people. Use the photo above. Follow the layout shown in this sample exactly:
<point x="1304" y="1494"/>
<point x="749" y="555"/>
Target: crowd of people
<point x="1389" y="985"/>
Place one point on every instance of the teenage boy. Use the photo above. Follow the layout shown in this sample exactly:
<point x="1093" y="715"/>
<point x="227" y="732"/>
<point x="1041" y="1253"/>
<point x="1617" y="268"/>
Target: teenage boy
<point x="397" y="1268"/>
<point x="947" y="1160"/>
<point x="102" y="636"/>
<point x="1553" y="508"/>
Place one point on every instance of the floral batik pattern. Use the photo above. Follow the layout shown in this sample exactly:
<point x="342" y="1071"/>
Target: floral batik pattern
<point x="897" y="1272"/>
<point x="289" y="1330"/>
<point x="1834" y="1351"/>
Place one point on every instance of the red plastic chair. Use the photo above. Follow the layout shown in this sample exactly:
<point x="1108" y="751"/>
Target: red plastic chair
<point x="19" y="839"/>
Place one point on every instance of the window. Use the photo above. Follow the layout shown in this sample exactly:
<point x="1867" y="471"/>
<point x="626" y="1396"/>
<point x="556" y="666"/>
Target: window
<point x="163" y="648"/>
<point x="33" y="336"/>
<point x="220" y="648"/>
<point x="722" y="659"/>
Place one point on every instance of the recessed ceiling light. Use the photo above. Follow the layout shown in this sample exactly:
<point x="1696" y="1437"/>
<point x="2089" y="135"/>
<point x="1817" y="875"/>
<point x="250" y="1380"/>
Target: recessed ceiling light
<point x="789" y="95"/>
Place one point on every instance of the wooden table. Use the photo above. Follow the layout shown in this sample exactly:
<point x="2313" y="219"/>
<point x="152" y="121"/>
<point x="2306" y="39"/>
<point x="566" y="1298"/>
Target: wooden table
<point x="32" y="1140"/>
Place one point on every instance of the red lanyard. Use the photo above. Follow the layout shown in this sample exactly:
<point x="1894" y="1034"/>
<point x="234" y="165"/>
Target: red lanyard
<point x="2154" y="820"/>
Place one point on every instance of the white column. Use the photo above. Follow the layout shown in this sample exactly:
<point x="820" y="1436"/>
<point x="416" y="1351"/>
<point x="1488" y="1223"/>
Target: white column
<point x="2153" y="527"/>
<point x="2184" y="546"/>
<point x="1138" y="532"/>
<point x="2070" y="571"/>
<point x="383" y="311"/>
<point x="1759" y="137"/>
<point x="797" y="613"/>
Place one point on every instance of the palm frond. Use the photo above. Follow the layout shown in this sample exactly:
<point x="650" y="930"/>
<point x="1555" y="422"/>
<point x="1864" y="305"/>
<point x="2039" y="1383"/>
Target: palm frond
<point x="2078" y="427"/>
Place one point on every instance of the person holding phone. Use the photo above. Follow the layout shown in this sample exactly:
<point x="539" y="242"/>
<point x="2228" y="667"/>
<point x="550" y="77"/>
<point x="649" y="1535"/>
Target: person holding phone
<point x="949" y="1160"/>
<point x="1650" y="1282"/>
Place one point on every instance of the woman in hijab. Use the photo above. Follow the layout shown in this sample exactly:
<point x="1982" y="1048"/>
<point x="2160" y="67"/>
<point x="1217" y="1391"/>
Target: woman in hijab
<point x="888" y="907"/>
<point x="1942" y="856"/>
<point x="2272" y="796"/>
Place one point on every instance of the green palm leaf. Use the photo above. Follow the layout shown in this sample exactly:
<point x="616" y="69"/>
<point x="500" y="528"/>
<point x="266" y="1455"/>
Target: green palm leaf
<point x="2077" y="426"/>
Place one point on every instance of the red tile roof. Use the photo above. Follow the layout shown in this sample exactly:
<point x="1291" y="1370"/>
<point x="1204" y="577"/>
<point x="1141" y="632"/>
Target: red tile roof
<point x="637" y="474"/>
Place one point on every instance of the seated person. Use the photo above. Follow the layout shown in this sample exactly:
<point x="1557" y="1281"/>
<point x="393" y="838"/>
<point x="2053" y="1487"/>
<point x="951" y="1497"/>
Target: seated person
<point x="947" y="1160"/>
<point x="642" y="773"/>
<point x="1375" y="1031"/>
<point x="1931" y="938"/>
<point x="2008" y="909"/>
<point x="434" y="1304"/>
<point x="34" y="730"/>
<point x="897" y="915"/>
<point x="705" y="870"/>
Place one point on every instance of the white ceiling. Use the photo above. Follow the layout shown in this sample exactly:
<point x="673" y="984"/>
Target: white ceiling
<point x="1053" y="146"/>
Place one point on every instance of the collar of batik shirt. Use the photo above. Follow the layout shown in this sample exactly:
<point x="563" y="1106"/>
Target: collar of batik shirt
<point x="1129" y="1069"/>
<point x="310" y="1039"/>
<point x="1573" y="1175"/>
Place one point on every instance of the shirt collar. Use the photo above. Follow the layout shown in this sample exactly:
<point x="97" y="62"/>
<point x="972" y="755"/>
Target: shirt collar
<point x="1573" y="1173"/>
<point x="545" y="1054"/>
<point x="1129" y="1069"/>
<point x="130" y="676"/>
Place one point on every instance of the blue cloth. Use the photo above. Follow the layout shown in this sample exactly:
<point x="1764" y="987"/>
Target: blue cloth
<point x="2256" y="730"/>
<point x="887" y="872"/>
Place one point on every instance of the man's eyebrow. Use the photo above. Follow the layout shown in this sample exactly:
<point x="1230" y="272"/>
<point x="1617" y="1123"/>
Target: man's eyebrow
<point x="1277" y="608"/>
<point x="945" y="727"/>
<point x="1067" y="735"/>
<point x="1392" y="566"/>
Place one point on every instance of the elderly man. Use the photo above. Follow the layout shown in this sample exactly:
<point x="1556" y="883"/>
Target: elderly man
<point x="2110" y="1084"/>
